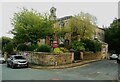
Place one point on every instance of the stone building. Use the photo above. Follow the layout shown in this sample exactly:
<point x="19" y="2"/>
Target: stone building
<point x="64" y="22"/>
<point x="99" y="33"/>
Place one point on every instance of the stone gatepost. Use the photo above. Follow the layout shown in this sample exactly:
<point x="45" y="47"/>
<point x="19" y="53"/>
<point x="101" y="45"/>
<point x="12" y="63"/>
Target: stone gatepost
<point x="81" y="55"/>
<point x="72" y="51"/>
<point x="72" y="56"/>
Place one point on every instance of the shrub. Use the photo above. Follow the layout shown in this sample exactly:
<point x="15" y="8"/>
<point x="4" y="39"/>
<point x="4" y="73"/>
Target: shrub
<point x="33" y="47"/>
<point x="62" y="49"/>
<point x="43" y="48"/>
<point x="68" y="47"/>
<point x="61" y="45"/>
<point x="89" y="44"/>
<point x="78" y="46"/>
<point x="92" y="45"/>
<point x="97" y="46"/>
<point x="57" y="50"/>
<point x="22" y="47"/>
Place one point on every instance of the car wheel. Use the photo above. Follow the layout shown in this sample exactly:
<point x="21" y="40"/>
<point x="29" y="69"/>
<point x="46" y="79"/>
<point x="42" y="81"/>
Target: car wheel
<point x="2" y="62"/>
<point x="12" y="66"/>
<point x="8" y="65"/>
<point x="118" y="61"/>
<point x="27" y="66"/>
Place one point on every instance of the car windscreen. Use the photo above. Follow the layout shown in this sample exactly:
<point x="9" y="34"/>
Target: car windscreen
<point x="19" y="57"/>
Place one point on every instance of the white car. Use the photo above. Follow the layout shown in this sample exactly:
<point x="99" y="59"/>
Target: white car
<point x="2" y="60"/>
<point x="17" y="61"/>
<point x="114" y="56"/>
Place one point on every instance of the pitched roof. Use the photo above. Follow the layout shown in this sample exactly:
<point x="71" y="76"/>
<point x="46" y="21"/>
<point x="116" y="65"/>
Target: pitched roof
<point x="64" y="18"/>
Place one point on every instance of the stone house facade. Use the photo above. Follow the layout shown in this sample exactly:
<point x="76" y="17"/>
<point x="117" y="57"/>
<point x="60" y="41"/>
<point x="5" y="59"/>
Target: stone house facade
<point x="64" y="22"/>
<point x="99" y="33"/>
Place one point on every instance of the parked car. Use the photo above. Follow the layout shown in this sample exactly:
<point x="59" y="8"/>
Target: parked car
<point x="118" y="59"/>
<point x="17" y="61"/>
<point x="2" y="60"/>
<point x="114" y="56"/>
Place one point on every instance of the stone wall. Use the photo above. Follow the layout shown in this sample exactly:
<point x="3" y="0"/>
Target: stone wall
<point x="91" y="56"/>
<point x="51" y="59"/>
<point x="48" y="59"/>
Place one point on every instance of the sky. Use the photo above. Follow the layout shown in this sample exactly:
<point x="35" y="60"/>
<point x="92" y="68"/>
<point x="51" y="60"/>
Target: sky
<point x="105" y="12"/>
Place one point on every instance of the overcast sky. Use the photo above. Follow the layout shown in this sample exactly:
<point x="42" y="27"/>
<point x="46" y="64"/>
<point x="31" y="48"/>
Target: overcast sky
<point x="104" y="11"/>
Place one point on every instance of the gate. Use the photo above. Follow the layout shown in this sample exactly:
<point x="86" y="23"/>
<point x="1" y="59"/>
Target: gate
<point x="77" y="55"/>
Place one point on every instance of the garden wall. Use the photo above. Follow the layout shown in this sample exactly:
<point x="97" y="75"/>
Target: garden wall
<point x="51" y="59"/>
<point x="48" y="59"/>
<point x="91" y="56"/>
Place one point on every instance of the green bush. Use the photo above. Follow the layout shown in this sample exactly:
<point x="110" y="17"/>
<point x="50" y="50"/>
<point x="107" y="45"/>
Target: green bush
<point x="97" y="46"/>
<point x="22" y="47"/>
<point x="62" y="49"/>
<point x="43" y="48"/>
<point x="57" y="50"/>
<point x="61" y="45"/>
<point x="68" y="47"/>
<point x="78" y="46"/>
<point x="89" y="44"/>
<point x="33" y="47"/>
<point x="92" y="45"/>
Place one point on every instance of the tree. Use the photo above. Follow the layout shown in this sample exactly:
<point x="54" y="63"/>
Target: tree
<point x="7" y="45"/>
<point x="9" y="48"/>
<point x="112" y="34"/>
<point x="30" y="26"/>
<point x="22" y="47"/>
<point x="4" y="41"/>
<point x="60" y="32"/>
<point x="82" y="26"/>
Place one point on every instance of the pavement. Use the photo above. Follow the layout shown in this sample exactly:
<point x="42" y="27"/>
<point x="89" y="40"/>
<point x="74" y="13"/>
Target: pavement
<point x="76" y="63"/>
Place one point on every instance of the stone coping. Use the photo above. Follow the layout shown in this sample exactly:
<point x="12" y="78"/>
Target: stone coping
<point x="47" y="53"/>
<point x="64" y="66"/>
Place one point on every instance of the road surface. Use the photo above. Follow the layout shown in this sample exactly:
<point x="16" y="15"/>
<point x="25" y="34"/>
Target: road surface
<point x="101" y="70"/>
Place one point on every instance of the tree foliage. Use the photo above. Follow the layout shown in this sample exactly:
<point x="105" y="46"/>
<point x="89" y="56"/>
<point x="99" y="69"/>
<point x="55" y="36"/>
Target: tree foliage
<point x="60" y="32"/>
<point x="83" y="25"/>
<point x="112" y="35"/>
<point x="4" y="41"/>
<point x="30" y="26"/>
<point x="22" y="47"/>
<point x="9" y="48"/>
